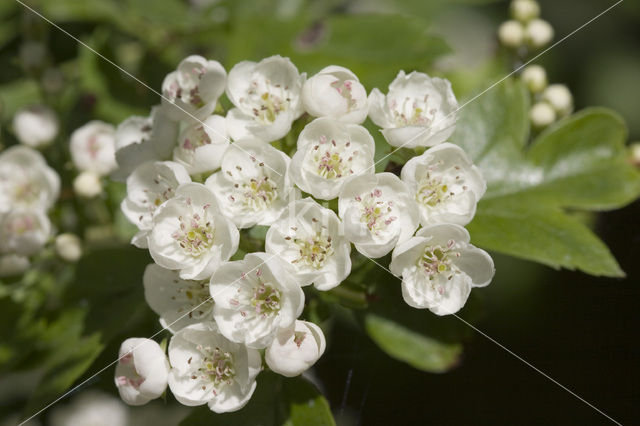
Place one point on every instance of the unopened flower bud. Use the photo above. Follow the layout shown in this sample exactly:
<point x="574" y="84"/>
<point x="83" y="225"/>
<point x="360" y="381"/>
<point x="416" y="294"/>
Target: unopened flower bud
<point x="68" y="247"/>
<point x="87" y="185"/>
<point x="35" y="126"/>
<point x="538" y="33"/>
<point x="525" y="10"/>
<point x="535" y="78"/>
<point x="511" y="33"/>
<point x="634" y="153"/>
<point x="559" y="97"/>
<point x="542" y="114"/>
<point x="296" y="349"/>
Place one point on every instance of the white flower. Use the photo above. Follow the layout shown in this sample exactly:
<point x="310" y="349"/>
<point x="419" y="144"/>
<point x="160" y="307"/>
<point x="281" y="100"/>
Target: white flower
<point x="559" y="97"/>
<point x="150" y="185"/>
<point x="87" y="185"/>
<point x="418" y="110"/>
<point x="26" y="181"/>
<point x="24" y="232"/>
<point x="190" y="234"/>
<point x="142" y="139"/>
<point x="201" y="145"/>
<point x="328" y="153"/>
<point x="542" y="114"/>
<point x="253" y="185"/>
<point x="191" y="92"/>
<point x="309" y="238"/>
<point x="295" y="350"/>
<point x="142" y="371"/>
<point x="511" y="33"/>
<point x="337" y="93"/>
<point x="209" y="369"/>
<point x="91" y="408"/>
<point x="267" y="97"/>
<point x="446" y="184"/>
<point x="538" y="33"/>
<point x="255" y="298"/>
<point x="439" y="267"/>
<point x="35" y="126"/>
<point x="12" y="264"/>
<point x="378" y="212"/>
<point x="178" y="302"/>
<point x="93" y="148"/>
<point x="68" y="247"/>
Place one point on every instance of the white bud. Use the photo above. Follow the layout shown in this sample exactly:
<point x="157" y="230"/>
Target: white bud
<point x="559" y="97"/>
<point x="69" y="247"/>
<point x="525" y="10"/>
<point x="295" y="350"/>
<point x="538" y="33"/>
<point x="535" y="78"/>
<point x="35" y="126"/>
<point x="542" y="114"/>
<point x="12" y="264"/>
<point x="511" y="33"/>
<point x="87" y="185"/>
<point x="634" y="154"/>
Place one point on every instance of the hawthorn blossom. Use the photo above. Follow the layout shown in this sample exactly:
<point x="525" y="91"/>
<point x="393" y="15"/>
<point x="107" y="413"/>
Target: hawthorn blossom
<point x="328" y="153"/>
<point x="378" y="212"/>
<point x="337" y="93"/>
<point x="207" y="368"/>
<point x="309" y="238"/>
<point x="178" y="302"/>
<point x="255" y="298"/>
<point x="92" y="148"/>
<point x="418" y="110"/>
<point x="189" y="234"/>
<point x="191" y="92"/>
<point x="142" y="371"/>
<point x="295" y="350"/>
<point x="253" y="185"/>
<point x="36" y="126"/>
<point x="266" y="96"/>
<point x="142" y="139"/>
<point x="446" y="184"/>
<point x="439" y="268"/>
<point x="26" y="181"/>
<point x="201" y="145"/>
<point x="24" y="232"/>
<point x="150" y="185"/>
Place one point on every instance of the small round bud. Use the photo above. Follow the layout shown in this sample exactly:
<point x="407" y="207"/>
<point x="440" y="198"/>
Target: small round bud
<point x="511" y="33"/>
<point x="35" y="126"/>
<point x="12" y="264"/>
<point x="68" y="247"/>
<point x="559" y="97"/>
<point x="542" y="114"/>
<point x="535" y="78"/>
<point x="525" y="10"/>
<point x="87" y="185"/>
<point x="634" y="153"/>
<point x="538" y="33"/>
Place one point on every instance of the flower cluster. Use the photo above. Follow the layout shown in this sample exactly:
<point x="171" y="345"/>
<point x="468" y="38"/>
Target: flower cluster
<point x="197" y="180"/>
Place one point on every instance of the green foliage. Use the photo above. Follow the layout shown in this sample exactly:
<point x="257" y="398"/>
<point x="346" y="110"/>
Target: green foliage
<point x="578" y="163"/>
<point x="277" y="401"/>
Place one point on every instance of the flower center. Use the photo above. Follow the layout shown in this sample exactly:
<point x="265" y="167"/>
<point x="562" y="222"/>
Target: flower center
<point x="412" y="112"/>
<point x="314" y="250"/>
<point x="26" y="192"/>
<point x="344" y="87"/>
<point x="217" y="366"/>
<point x="298" y="337"/>
<point x="438" y="260"/>
<point x="267" y="100"/>
<point x="435" y="188"/>
<point x="195" y="139"/>
<point x="198" y="297"/>
<point x="375" y="212"/>
<point x="189" y="91"/>
<point x="266" y="298"/>
<point x="196" y="232"/>
<point x="20" y="225"/>
<point x="329" y="158"/>
<point x="256" y="194"/>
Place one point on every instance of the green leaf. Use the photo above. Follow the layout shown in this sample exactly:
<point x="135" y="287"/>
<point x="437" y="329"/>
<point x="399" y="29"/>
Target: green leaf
<point x="418" y="350"/>
<point x="277" y="401"/>
<point x="580" y="162"/>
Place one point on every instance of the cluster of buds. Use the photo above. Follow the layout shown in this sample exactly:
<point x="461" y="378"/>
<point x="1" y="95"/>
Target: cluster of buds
<point x="197" y="178"/>
<point x="525" y="30"/>
<point x="550" y="102"/>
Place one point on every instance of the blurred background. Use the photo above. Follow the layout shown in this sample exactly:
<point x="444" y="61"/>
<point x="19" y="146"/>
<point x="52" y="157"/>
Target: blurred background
<point x="580" y="330"/>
